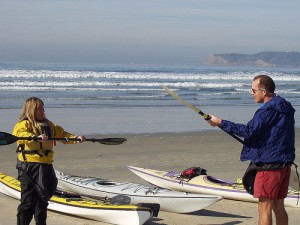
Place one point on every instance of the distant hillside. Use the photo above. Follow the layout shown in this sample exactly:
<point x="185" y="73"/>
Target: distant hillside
<point x="285" y="59"/>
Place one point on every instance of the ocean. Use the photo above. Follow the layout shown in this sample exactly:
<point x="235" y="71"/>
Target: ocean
<point x="130" y="99"/>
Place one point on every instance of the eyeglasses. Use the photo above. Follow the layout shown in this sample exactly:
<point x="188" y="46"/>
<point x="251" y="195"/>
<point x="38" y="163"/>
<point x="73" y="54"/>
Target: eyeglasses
<point x="254" y="91"/>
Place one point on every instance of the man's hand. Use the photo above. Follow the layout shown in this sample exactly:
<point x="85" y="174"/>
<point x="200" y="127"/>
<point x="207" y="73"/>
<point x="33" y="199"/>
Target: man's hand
<point x="214" y="121"/>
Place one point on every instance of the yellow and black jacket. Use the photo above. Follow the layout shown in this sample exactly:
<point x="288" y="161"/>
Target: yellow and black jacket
<point x="38" y="152"/>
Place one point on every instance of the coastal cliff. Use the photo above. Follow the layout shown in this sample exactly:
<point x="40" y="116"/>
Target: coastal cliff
<point x="266" y="59"/>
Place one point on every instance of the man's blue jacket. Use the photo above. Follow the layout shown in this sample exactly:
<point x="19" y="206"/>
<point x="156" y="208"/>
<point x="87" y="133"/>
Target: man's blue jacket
<point x="270" y="135"/>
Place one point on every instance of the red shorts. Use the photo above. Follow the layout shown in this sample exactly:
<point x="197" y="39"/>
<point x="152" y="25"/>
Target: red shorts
<point x="272" y="184"/>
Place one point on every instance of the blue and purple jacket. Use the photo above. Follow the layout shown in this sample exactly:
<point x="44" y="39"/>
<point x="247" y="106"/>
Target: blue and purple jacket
<point x="270" y="135"/>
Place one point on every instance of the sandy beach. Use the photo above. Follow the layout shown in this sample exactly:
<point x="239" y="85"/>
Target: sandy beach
<point x="213" y="150"/>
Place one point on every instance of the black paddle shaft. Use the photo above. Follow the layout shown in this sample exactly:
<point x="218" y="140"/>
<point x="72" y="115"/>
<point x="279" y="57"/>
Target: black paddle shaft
<point x="6" y="139"/>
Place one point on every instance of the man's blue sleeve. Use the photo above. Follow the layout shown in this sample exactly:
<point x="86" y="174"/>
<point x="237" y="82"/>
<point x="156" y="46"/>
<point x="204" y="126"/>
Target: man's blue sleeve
<point x="255" y="126"/>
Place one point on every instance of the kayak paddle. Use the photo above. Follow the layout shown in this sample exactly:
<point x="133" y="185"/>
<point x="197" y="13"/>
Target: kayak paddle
<point x="7" y="139"/>
<point x="294" y="178"/>
<point x="205" y="116"/>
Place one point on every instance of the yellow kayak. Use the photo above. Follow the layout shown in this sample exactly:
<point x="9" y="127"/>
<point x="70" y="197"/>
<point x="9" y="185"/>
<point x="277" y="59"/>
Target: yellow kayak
<point x="79" y="206"/>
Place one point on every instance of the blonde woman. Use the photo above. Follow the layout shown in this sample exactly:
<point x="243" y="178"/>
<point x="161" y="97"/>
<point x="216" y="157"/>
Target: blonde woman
<point x="34" y="164"/>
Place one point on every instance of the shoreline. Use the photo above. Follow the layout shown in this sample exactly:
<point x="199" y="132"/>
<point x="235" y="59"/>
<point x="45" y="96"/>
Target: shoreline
<point x="213" y="150"/>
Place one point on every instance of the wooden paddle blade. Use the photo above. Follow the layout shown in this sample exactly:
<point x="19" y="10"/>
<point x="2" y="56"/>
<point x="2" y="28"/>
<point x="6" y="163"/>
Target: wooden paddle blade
<point x="109" y="141"/>
<point x="184" y="102"/>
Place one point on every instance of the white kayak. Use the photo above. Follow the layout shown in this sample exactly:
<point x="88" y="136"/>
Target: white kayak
<point x="131" y="193"/>
<point x="76" y="205"/>
<point x="204" y="184"/>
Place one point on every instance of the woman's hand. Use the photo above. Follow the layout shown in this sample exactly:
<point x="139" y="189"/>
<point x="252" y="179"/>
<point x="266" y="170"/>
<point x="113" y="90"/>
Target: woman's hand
<point x="81" y="137"/>
<point x="42" y="138"/>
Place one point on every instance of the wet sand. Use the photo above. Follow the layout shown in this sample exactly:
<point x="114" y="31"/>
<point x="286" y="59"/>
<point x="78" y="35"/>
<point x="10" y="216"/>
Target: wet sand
<point x="213" y="150"/>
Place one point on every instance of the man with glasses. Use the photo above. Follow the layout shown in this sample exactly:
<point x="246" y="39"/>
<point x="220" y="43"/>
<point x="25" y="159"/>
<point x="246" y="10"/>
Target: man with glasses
<point x="269" y="144"/>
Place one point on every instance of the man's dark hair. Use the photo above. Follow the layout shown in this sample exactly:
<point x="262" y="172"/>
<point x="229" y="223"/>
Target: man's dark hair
<point x="266" y="82"/>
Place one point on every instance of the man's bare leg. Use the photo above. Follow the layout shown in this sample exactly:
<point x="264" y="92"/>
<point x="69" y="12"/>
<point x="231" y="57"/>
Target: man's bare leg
<point x="265" y="207"/>
<point x="280" y="212"/>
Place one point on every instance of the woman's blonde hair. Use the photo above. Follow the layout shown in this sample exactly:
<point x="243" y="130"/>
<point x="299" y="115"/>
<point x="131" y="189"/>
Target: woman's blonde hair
<point x="28" y="112"/>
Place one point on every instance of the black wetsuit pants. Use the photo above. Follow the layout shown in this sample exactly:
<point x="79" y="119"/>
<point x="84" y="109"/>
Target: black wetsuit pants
<point x="38" y="183"/>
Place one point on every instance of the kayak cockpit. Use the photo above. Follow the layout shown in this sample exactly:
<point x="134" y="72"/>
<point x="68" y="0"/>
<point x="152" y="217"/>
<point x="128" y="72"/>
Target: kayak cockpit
<point x="106" y="183"/>
<point x="218" y="181"/>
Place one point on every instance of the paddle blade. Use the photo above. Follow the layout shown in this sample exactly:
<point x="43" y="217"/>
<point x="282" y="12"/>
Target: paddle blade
<point x="109" y="141"/>
<point x="7" y="139"/>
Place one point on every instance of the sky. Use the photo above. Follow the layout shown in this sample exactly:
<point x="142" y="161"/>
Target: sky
<point x="144" y="31"/>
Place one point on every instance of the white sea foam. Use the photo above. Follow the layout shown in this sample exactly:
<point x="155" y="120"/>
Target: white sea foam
<point x="142" y="75"/>
<point x="86" y="88"/>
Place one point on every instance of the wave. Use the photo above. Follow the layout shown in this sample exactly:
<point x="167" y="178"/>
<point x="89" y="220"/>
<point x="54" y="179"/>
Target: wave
<point x="60" y="88"/>
<point x="221" y="88"/>
<point x="39" y="74"/>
